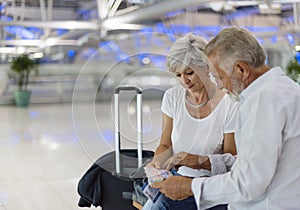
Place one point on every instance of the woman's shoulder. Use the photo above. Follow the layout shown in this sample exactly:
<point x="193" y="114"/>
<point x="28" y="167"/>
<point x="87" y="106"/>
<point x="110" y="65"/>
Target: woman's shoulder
<point x="176" y="90"/>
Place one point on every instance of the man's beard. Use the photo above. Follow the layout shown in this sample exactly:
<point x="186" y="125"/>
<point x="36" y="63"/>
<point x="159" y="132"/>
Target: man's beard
<point x="237" y="88"/>
<point x="234" y="96"/>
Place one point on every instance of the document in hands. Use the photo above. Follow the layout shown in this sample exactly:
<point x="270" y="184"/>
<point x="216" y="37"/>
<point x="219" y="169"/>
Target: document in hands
<point x="154" y="175"/>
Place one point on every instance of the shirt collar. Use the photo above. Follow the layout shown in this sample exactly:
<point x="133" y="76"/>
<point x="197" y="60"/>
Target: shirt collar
<point x="276" y="71"/>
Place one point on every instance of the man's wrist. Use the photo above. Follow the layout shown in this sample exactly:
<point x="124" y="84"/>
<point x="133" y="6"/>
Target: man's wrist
<point x="204" y="162"/>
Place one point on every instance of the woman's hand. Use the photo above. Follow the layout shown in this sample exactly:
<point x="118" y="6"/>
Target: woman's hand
<point x="162" y="154"/>
<point x="155" y="163"/>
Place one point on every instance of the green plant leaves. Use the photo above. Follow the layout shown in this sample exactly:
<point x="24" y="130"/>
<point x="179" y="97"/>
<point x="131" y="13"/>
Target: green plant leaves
<point x="23" y="65"/>
<point x="293" y="70"/>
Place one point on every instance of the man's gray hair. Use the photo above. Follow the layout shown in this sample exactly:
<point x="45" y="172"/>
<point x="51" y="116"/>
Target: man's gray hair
<point x="187" y="52"/>
<point x="236" y="44"/>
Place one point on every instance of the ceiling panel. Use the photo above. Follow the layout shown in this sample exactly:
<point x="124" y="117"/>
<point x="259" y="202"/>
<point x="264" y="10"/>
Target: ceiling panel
<point x="69" y="24"/>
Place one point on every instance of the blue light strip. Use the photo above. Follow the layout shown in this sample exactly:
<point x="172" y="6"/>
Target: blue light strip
<point x="242" y="13"/>
<point x="297" y="56"/>
<point x="18" y="30"/>
<point x="111" y="46"/>
<point x="173" y="31"/>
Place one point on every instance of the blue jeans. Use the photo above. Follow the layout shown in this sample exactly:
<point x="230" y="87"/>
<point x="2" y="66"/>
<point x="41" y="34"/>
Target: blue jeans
<point x="164" y="203"/>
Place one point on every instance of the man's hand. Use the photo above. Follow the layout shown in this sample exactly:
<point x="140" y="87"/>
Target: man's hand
<point x="186" y="159"/>
<point x="175" y="187"/>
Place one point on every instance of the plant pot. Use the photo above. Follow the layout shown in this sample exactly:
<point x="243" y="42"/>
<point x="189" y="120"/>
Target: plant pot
<point x="22" y="98"/>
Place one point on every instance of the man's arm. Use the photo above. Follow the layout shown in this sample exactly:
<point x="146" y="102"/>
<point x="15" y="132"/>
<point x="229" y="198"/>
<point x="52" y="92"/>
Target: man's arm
<point x="222" y="163"/>
<point x="216" y="163"/>
<point x="259" y="145"/>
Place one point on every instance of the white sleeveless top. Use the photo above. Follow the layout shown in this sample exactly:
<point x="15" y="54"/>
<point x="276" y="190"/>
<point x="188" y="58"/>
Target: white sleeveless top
<point x="198" y="136"/>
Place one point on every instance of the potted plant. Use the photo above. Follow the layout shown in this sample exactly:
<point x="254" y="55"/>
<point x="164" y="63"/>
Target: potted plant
<point x="23" y="65"/>
<point x="293" y="70"/>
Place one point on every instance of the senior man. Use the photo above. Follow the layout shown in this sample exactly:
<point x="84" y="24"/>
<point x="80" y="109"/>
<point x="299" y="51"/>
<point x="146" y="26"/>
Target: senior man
<point x="266" y="174"/>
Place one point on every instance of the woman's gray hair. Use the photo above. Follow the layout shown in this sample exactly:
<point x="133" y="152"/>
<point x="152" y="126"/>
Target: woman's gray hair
<point x="187" y="52"/>
<point x="236" y="44"/>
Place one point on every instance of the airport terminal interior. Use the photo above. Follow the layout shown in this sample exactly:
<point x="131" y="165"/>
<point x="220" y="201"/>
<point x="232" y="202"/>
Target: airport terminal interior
<point x="85" y="50"/>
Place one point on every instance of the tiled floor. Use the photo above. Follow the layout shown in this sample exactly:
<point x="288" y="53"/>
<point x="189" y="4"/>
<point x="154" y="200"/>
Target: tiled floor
<point x="45" y="149"/>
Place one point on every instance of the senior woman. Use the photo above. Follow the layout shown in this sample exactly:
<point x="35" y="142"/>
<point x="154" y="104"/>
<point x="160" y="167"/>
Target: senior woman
<point x="198" y="121"/>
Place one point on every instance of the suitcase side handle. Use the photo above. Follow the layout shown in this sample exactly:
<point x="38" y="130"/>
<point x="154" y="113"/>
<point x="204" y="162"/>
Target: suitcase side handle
<point x="117" y="124"/>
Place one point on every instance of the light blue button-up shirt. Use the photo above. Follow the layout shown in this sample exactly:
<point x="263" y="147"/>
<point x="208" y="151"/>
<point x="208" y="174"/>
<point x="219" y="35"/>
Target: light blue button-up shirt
<point x="266" y="174"/>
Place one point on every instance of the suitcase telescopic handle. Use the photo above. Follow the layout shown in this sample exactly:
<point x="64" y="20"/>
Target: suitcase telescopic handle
<point x="138" y="90"/>
<point x="117" y="124"/>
